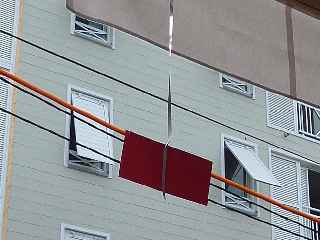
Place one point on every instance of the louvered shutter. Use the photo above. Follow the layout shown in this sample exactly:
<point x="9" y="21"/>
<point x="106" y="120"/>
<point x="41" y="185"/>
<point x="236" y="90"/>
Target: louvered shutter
<point x="7" y="23"/>
<point x="4" y="95"/>
<point x="286" y="173"/>
<point x="305" y="200"/>
<point x="281" y="113"/>
<point x="87" y="135"/>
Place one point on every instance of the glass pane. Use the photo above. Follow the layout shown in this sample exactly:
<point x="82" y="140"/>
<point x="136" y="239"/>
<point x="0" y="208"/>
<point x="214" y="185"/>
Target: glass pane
<point x="235" y="172"/>
<point x="314" y="180"/>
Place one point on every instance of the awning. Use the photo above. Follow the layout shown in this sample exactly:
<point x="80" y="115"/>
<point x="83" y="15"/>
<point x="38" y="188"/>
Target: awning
<point x="252" y="163"/>
<point x="265" y="43"/>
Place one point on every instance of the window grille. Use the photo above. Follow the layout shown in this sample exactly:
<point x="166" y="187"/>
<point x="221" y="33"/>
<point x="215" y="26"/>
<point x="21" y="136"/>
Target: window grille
<point x="92" y="30"/>
<point x="69" y="232"/>
<point x="309" y="121"/>
<point x="293" y="117"/>
<point x="237" y="86"/>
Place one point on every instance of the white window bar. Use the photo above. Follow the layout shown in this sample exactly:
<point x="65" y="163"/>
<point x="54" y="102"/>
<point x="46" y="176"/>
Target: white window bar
<point x="315" y="234"/>
<point x="235" y="85"/>
<point x="309" y="120"/>
<point x="93" y="30"/>
<point x="69" y="232"/>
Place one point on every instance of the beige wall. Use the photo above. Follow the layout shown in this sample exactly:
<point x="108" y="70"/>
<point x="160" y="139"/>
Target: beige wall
<point x="247" y="38"/>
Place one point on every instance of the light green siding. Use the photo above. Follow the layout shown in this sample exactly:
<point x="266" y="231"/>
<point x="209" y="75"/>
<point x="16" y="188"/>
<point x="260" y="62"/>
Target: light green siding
<point x="45" y="194"/>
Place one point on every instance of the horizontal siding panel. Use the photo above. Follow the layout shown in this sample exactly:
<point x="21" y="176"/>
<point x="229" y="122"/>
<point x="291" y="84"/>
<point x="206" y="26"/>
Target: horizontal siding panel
<point x="45" y="193"/>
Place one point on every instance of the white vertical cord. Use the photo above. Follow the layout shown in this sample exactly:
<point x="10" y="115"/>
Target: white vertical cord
<point x="165" y="151"/>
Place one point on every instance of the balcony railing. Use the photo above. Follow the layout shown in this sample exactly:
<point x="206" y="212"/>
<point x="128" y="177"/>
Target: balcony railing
<point x="315" y="233"/>
<point x="309" y="121"/>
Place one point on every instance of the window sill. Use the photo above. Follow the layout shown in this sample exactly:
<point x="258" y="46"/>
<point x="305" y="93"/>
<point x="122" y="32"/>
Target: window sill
<point x="90" y="170"/>
<point x="251" y="212"/>
<point x="94" y="40"/>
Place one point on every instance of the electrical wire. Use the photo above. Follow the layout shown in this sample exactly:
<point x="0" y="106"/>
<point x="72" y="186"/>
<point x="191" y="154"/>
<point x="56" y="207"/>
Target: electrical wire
<point x="257" y="219"/>
<point x="60" y="109"/>
<point x="263" y="207"/>
<point x="57" y="134"/>
<point x="151" y="94"/>
<point x="49" y="103"/>
<point x="117" y="161"/>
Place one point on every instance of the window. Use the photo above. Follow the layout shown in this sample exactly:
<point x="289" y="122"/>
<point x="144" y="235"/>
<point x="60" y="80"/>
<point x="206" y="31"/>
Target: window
<point x="92" y="30"/>
<point x="236" y="172"/>
<point x="69" y="232"/>
<point x="308" y="121"/>
<point x="237" y="86"/>
<point x="242" y="165"/>
<point x="81" y="158"/>
<point x="293" y="117"/>
<point x="299" y="189"/>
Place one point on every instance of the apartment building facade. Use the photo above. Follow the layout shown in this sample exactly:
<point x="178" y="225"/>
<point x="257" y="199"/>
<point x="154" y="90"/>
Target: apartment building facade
<point x="53" y="189"/>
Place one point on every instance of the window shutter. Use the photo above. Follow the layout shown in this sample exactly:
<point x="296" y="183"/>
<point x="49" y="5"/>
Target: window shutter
<point x="281" y="113"/>
<point x="7" y="20"/>
<point x="305" y="189"/>
<point x="4" y="95"/>
<point x="305" y="201"/>
<point x="286" y="173"/>
<point x="87" y="135"/>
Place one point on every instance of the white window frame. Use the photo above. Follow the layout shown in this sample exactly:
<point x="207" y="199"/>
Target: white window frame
<point x="300" y="163"/>
<point x="108" y="43"/>
<point x="250" y="93"/>
<point x="72" y="88"/>
<point x="254" y="211"/>
<point x="64" y="227"/>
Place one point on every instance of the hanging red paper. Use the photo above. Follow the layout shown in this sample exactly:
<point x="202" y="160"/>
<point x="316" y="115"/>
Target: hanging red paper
<point x="187" y="175"/>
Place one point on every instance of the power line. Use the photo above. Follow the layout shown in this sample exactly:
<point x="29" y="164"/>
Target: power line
<point x="257" y="219"/>
<point x="151" y="94"/>
<point x="57" y="134"/>
<point x="66" y="112"/>
<point x="117" y="161"/>
<point x="60" y="109"/>
<point x="260" y="206"/>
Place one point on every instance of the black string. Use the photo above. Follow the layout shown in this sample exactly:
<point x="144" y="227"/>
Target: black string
<point x="263" y="207"/>
<point x="150" y="94"/>
<point x="117" y="161"/>
<point x="259" y="220"/>
<point x="57" y="134"/>
<point x="59" y="109"/>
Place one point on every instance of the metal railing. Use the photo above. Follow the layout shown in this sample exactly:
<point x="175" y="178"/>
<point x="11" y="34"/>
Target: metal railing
<point x="308" y="120"/>
<point x="313" y="234"/>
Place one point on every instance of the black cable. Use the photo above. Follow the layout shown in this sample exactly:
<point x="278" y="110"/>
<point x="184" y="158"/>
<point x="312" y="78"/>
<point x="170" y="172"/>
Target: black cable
<point x="263" y="207"/>
<point x="57" y="134"/>
<point x="59" y="109"/>
<point x="117" y="161"/>
<point x="257" y="219"/>
<point x="150" y="94"/>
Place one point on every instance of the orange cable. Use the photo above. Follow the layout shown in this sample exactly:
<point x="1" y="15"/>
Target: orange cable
<point x="61" y="101"/>
<point x="265" y="197"/>
<point x="122" y="132"/>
